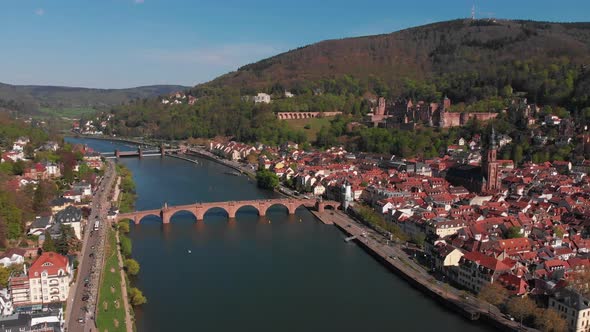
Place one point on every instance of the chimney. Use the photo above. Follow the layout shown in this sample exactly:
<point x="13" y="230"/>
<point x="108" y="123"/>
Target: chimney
<point x="25" y="268"/>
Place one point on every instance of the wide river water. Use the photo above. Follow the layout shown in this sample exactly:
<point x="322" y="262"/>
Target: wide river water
<point x="273" y="273"/>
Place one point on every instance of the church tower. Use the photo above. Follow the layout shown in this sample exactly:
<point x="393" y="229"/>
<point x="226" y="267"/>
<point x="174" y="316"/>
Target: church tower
<point x="491" y="166"/>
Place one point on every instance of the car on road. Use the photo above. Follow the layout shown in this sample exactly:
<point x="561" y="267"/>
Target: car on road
<point x="81" y="320"/>
<point x="91" y="255"/>
<point x="85" y="298"/>
<point x="86" y="279"/>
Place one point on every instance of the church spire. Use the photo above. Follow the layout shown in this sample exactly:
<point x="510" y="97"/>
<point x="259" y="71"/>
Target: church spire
<point x="493" y="139"/>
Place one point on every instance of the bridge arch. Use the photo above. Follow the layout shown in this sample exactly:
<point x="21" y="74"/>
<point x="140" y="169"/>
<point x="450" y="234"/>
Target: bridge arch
<point x="289" y="207"/>
<point x="247" y="206"/>
<point x="208" y="209"/>
<point x="174" y="213"/>
<point x="138" y="219"/>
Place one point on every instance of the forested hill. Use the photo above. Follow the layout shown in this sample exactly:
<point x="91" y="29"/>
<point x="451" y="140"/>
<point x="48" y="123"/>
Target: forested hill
<point x="480" y="65"/>
<point x="32" y="98"/>
<point x="459" y="52"/>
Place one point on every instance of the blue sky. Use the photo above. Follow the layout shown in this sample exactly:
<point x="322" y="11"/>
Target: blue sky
<point x="125" y="43"/>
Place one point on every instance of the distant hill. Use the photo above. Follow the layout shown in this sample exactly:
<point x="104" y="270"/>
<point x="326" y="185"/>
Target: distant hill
<point x="423" y="53"/>
<point x="33" y="98"/>
<point x="481" y="65"/>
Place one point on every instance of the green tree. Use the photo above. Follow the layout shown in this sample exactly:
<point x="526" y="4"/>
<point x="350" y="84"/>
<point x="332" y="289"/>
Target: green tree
<point x="558" y="232"/>
<point x="123" y="226"/>
<point x="549" y="320"/>
<point x="521" y="308"/>
<point x="3" y="233"/>
<point x="126" y="246"/>
<point x="65" y="241"/>
<point x="18" y="168"/>
<point x="494" y="294"/>
<point x="132" y="266"/>
<point x="136" y="297"/>
<point x="267" y="179"/>
<point x="514" y="232"/>
<point x="418" y="239"/>
<point x="4" y="275"/>
<point x="517" y="153"/>
<point x="48" y="243"/>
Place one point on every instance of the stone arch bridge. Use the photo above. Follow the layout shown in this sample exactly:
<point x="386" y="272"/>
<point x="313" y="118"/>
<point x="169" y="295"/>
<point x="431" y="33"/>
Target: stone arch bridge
<point x="231" y="207"/>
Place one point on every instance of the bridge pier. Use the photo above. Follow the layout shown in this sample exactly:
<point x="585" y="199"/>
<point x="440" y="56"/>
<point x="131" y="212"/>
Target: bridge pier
<point x="140" y="152"/>
<point x="117" y="155"/>
<point x="162" y="150"/>
<point x="320" y="207"/>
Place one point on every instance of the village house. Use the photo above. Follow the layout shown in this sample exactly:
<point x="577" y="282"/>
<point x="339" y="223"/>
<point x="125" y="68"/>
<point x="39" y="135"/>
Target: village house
<point x="573" y="308"/>
<point x="262" y="98"/>
<point x="477" y="270"/>
<point x="14" y="256"/>
<point x="46" y="281"/>
<point x="70" y="216"/>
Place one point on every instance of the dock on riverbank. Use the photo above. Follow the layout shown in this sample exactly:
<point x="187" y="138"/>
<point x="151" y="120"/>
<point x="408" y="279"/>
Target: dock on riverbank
<point x="396" y="261"/>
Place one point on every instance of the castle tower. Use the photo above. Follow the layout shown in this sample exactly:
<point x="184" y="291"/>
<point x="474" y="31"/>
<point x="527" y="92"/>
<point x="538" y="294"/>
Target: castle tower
<point x="441" y="119"/>
<point x="490" y="168"/>
<point x="381" y="107"/>
<point x="446" y="103"/>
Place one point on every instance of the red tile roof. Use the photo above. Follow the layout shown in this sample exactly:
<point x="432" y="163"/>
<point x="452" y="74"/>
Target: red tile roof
<point x="49" y="261"/>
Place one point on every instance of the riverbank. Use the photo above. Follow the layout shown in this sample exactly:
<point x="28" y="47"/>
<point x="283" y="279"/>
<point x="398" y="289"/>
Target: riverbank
<point x="228" y="163"/>
<point x="396" y="261"/>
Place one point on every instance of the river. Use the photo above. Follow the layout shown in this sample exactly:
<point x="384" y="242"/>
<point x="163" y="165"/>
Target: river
<point x="273" y="273"/>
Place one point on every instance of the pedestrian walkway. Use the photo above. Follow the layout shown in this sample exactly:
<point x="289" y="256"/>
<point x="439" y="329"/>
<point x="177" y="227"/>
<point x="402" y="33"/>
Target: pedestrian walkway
<point x="128" y="321"/>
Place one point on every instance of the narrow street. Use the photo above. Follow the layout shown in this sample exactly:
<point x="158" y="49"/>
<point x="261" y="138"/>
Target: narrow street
<point x="80" y="312"/>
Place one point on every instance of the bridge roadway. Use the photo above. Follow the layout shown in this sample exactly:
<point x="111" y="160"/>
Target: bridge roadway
<point x="231" y="207"/>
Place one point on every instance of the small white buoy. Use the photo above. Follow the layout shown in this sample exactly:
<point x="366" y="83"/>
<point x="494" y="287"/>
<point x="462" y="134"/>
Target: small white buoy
<point x="189" y="251"/>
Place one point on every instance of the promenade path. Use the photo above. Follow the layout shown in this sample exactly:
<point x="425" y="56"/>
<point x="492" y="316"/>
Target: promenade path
<point x="128" y="320"/>
<point x="393" y="255"/>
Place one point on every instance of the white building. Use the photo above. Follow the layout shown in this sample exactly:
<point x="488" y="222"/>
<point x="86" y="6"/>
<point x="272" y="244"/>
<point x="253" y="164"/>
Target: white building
<point x="12" y="257"/>
<point x="47" y="281"/>
<point x="262" y="98"/>
<point x="83" y="187"/>
<point x="573" y="308"/>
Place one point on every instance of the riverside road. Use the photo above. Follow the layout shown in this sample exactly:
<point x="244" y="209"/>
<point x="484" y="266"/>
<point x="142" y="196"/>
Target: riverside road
<point x="395" y="255"/>
<point x="80" y="313"/>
